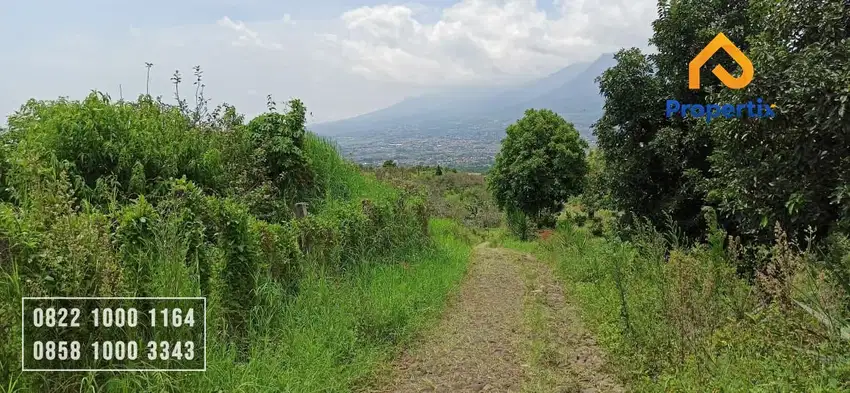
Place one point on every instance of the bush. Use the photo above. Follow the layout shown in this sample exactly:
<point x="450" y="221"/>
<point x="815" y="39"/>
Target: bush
<point x="134" y="143"/>
<point x="104" y="198"/>
<point x="677" y="316"/>
<point x="518" y="224"/>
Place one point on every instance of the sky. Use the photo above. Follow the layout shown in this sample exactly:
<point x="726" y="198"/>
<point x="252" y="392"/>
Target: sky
<point x="341" y="57"/>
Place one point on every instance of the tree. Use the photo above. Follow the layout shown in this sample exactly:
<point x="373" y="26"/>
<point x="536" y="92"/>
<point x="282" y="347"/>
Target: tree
<point x="659" y="166"/>
<point x="540" y="165"/>
<point x="389" y="164"/>
<point x="792" y="168"/>
<point x="439" y="171"/>
<point x="795" y="167"/>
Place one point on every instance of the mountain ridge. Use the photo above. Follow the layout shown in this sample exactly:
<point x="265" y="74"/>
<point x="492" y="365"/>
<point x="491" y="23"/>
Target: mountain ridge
<point x="570" y="91"/>
<point x="464" y="127"/>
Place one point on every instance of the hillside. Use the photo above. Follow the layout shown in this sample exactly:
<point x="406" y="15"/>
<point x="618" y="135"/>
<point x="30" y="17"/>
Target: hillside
<point x="428" y="129"/>
<point x="143" y="199"/>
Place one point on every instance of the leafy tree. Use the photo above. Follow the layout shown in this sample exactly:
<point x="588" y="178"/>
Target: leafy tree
<point x="659" y="166"/>
<point x="439" y="171"/>
<point x="793" y="168"/>
<point x="389" y="164"/>
<point x="540" y="165"/>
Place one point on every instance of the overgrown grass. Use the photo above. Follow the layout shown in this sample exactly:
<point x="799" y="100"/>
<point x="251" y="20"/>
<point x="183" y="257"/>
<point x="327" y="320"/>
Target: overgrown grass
<point x="341" y="179"/>
<point x="96" y="202"/>
<point x="678" y="318"/>
<point x="338" y="330"/>
<point x="450" y="194"/>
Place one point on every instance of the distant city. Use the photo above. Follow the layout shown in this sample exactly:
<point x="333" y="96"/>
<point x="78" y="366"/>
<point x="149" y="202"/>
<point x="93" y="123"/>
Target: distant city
<point x="471" y="148"/>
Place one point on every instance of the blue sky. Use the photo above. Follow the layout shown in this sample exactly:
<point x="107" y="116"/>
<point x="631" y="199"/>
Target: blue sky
<point x="342" y="57"/>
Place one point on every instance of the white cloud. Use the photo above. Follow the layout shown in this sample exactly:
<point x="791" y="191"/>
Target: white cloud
<point x="479" y="40"/>
<point x="248" y="37"/>
<point x="346" y="64"/>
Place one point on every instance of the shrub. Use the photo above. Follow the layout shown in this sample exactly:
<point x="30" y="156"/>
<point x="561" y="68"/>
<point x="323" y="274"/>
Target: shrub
<point x="139" y="199"/>
<point x="186" y="206"/>
<point x="278" y="141"/>
<point x="518" y="224"/>
<point x="279" y="253"/>
<point x="133" y="236"/>
<point x="136" y="143"/>
<point x="241" y="269"/>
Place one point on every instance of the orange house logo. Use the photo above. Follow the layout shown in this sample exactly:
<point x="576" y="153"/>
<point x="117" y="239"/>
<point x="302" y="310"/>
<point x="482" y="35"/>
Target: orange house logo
<point x="732" y="82"/>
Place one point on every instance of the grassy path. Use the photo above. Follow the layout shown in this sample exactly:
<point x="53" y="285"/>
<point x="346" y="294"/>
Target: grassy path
<point x="508" y="330"/>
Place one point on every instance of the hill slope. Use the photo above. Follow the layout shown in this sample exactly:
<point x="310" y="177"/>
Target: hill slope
<point x="569" y="91"/>
<point x="463" y="126"/>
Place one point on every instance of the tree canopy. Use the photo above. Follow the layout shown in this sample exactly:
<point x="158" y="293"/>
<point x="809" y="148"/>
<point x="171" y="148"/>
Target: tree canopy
<point x="793" y="169"/>
<point x="540" y="165"/>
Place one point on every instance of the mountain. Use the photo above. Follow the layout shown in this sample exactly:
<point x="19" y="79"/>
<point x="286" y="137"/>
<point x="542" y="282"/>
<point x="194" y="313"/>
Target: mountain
<point x="464" y="126"/>
<point x="577" y="100"/>
<point x="570" y="91"/>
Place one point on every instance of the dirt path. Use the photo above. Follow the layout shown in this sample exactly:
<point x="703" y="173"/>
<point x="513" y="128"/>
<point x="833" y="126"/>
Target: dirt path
<point x="508" y="330"/>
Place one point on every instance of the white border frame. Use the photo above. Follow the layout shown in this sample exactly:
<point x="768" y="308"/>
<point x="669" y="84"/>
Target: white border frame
<point x="23" y="327"/>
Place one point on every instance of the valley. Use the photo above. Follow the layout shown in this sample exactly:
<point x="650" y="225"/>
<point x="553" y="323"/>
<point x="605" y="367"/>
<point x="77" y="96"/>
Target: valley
<point x="463" y="127"/>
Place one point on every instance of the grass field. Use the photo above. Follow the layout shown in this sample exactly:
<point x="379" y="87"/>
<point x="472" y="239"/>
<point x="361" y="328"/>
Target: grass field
<point x="689" y="323"/>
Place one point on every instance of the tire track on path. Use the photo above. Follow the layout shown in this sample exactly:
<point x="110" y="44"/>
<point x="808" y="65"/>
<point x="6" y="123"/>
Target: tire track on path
<point x="508" y="329"/>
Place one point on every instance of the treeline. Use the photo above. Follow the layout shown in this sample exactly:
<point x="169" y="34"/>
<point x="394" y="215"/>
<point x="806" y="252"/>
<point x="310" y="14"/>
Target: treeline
<point x="140" y="198"/>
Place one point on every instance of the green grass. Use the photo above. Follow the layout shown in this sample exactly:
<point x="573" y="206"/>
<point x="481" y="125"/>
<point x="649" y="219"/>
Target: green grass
<point x="340" y="179"/>
<point x="139" y="199"/>
<point x="738" y="345"/>
<point x="339" y="330"/>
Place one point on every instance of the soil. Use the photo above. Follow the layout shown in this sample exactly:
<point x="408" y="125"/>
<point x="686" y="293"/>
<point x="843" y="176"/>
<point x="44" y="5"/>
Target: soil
<point x="508" y="329"/>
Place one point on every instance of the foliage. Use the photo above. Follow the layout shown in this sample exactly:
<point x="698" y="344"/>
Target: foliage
<point x="518" y="223"/>
<point x="597" y="189"/>
<point x="677" y="317"/>
<point x="278" y="141"/>
<point x="540" y="165"/>
<point x="122" y="142"/>
<point x="794" y="168"/>
<point x="104" y="198"/>
<point x="652" y="166"/>
<point x="457" y="195"/>
<point x="791" y="168"/>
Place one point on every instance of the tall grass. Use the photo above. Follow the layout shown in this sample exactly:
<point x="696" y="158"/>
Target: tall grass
<point x="337" y="332"/>
<point x="678" y="318"/>
<point x="99" y="203"/>
<point x="338" y="178"/>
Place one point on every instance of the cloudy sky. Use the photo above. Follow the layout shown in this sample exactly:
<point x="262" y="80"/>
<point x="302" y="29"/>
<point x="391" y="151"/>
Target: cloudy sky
<point x="342" y="57"/>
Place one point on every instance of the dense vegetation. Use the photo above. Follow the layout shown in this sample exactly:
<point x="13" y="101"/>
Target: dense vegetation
<point x="792" y="169"/>
<point x="105" y="198"/>
<point x="540" y="165"/>
<point x="449" y="193"/>
<point x="713" y="256"/>
<point x="704" y="255"/>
